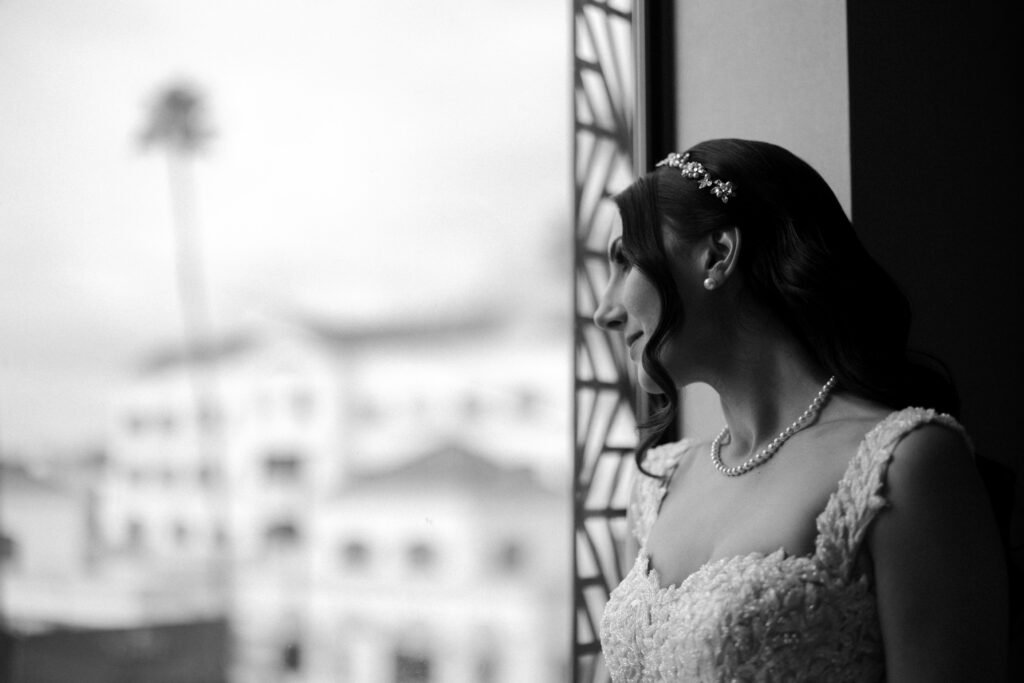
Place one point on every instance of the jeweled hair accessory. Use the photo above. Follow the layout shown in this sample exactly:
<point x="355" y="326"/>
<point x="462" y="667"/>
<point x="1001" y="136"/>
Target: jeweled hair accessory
<point x="723" y="189"/>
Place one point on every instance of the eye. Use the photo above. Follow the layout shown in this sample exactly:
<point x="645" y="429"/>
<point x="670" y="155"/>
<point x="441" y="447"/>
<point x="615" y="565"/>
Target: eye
<point x="617" y="255"/>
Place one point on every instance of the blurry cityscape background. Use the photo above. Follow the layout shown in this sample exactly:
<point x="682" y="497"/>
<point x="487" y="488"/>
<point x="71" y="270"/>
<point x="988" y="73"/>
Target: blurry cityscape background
<point x="285" y="341"/>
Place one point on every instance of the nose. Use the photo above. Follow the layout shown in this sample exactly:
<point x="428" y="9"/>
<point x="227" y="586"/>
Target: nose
<point x="610" y="314"/>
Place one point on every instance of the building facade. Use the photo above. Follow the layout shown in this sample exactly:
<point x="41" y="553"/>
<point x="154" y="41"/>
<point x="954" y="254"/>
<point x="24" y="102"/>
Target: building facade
<point x="250" y="463"/>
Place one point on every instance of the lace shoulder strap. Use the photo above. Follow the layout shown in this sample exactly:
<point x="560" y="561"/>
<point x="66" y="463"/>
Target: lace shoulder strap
<point x="860" y="496"/>
<point x="649" y="491"/>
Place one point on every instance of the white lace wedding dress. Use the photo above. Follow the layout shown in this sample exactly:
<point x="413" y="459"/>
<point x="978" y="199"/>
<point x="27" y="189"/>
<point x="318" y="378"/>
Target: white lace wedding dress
<point x="761" y="617"/>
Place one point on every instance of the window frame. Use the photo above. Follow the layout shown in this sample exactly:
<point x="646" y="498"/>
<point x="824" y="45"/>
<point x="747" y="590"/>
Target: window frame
<point x="624" y="114"/>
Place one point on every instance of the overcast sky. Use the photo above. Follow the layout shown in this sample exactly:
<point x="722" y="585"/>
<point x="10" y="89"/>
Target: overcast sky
<point x="371" y="160"/>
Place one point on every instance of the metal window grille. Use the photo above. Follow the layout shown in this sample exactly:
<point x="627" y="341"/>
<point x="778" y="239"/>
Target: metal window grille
<point x="624" y="113"/>
<point x="605" y="161"/>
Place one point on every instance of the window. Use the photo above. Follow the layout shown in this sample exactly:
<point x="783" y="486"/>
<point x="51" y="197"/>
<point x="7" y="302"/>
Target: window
<point x="603" y="393"/>
<point x="180" y="533"/>
<point x="206" y="475"/>
<point x="135" y="424"/>
<point x="527" y="403"/>
<point x="355" y="554"/>
<point x="208" y="419"/>
<point x="472" y="407"/>
<point x="487" y="666"/>
<point x="8" y="550"/>
<point x="510" y="556"/>
<point x="283" y="467"/>
<point x="412" y="667"/>
<point x="167" y="423"/>
<point x="291" y="656"/>
<point x="421" y="555"/>
<point x="338" y="361"/>
<point x="282" y="535"/>
<point x="135" y="535"/>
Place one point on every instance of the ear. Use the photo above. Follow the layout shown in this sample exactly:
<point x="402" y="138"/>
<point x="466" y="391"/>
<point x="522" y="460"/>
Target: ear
<point x="721" y="252"/>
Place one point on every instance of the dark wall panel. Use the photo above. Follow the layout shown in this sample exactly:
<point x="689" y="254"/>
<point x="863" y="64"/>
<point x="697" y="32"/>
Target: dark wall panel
<point x="936" y="176"/>
<point x="936" y="180"/>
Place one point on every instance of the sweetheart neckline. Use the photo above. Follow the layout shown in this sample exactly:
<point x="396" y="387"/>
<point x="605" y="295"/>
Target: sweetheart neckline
<point x="650" y="573"/>
<point x="919" y="416"/>
<point x="649" y="570"/>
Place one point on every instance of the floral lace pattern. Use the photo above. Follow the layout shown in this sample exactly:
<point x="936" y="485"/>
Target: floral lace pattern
<point x="761" y="617"/>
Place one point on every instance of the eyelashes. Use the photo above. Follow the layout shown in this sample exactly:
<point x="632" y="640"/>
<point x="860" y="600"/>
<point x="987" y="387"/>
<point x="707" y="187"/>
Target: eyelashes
<point x="617" y="255"/>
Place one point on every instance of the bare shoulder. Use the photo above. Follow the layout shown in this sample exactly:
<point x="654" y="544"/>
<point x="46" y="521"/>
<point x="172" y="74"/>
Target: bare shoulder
<point x="933" y="463"/>
<point x="932" y="483"/>
<point x="935" y="551"/>
<point x="933" y="443"/>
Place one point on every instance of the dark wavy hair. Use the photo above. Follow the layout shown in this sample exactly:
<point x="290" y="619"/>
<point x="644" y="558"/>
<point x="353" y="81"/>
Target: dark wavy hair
<point x="801" y="259"/>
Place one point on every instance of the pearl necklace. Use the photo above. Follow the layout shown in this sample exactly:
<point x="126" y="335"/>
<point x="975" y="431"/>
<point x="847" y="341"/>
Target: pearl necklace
<point x="768" y="451"/>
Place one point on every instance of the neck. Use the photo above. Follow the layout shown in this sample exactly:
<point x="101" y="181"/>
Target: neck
<point x="771" y="380"/>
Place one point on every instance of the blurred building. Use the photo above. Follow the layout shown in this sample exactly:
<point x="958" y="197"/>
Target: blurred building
<point x="449" y="568"/>
<point x="235" y="461"/>
<point x="70" y="613"/>
<point x="45" y="554"/>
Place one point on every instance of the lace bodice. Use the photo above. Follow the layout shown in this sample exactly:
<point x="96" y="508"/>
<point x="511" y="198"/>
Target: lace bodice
<point x="761" y="617"/>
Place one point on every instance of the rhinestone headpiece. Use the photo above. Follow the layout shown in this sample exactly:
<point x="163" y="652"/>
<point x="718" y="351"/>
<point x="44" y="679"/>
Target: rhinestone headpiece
<point x="723" y="189"/>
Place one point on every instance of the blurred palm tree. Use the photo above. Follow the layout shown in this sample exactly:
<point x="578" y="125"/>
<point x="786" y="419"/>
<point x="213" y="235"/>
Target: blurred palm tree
<point x="177" y="123"/>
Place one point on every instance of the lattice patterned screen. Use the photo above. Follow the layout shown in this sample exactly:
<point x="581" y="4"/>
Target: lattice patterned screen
<point x="605" y="405"/>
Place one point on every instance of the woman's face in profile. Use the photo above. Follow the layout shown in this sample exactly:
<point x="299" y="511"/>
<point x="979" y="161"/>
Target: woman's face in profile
<point x="630" y="305"/>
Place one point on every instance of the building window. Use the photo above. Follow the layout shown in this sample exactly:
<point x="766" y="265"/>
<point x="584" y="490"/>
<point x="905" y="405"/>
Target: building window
<point x="220" y="538"/>
<point x="167" y="423"/>
<point x="181" y="534"/>
<point x="8" y="551"/>
<point x="206" y="475"/>
<point x="487" y="667"/>
<point x="527" y="403"/>
<point x="282" y="535"/>
<point x="135" y="535"/>
<point x="472" y="407"/>
<point x="208" y="419"/>
<point x="291" y="656"/>
<point x="135" y="424"/>
<point x="421" y="556"/>
<point x="283" y="466"/>
<point x="412" y="667"/>
<point x="355" y="555"/>
<point x="510" y="556"/>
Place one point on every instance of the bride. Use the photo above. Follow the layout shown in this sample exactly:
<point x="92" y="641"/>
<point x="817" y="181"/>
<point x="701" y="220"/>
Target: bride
<point x="836" y="528"/>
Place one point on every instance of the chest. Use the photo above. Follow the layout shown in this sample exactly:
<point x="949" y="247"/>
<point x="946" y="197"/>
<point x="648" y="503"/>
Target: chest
<point x="706" y="516"/>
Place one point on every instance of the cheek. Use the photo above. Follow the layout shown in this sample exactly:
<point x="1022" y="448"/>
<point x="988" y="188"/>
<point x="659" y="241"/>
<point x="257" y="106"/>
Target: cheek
<point x="640" y="297"/>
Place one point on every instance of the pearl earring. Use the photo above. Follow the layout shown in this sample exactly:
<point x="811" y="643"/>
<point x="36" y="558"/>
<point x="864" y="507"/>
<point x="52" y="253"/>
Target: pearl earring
<point x="710" y="283"/>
